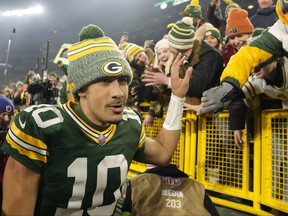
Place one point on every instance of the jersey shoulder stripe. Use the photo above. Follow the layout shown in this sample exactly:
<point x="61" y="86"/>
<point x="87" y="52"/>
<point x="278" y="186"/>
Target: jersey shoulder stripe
<point x="27" y="139"/>
<point x="27" y="145"/>
<point x="130" y="114"/>
<point x="142" y="137"/>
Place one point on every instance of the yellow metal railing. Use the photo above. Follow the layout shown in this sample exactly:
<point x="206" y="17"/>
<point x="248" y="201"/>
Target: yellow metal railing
<point x="247" y="180"/>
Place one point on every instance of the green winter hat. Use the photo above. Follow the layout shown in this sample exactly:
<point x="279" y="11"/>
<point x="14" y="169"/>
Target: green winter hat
<point x="193" y="10"/>
<point x="181" y="36"/>
<point x="96" y="56"/>
<point x="214" y="32"/>
<point x="231" y="5"/>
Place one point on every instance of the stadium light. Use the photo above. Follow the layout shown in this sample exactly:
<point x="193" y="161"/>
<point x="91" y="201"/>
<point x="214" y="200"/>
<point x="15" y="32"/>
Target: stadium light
<point x="38" y="9"/>
<point x="168" y="3"/>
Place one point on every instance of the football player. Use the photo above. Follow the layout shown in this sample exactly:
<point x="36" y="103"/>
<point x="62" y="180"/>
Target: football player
<point x="72" y="160"/>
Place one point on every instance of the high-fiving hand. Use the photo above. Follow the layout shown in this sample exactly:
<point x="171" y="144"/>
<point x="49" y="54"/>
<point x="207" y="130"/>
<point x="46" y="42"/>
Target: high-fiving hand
<point x="180" y="86"/>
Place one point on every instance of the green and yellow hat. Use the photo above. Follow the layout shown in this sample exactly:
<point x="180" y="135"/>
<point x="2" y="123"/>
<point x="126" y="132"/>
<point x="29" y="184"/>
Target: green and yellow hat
<point x="94" y="57"/>
<point x="131" y="50"/>
<point x="181" y="36"/>
<point x="193" y="10"/>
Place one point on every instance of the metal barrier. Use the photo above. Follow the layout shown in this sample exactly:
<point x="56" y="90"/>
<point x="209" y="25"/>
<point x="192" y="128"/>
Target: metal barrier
<point x="275" y="159"/>
<point x="249" y="180"/>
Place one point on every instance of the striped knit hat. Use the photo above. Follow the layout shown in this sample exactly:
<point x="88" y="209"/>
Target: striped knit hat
<point x="131" y="50"/>
<point x="181" y="36"/>
<point x="94" y="57"/>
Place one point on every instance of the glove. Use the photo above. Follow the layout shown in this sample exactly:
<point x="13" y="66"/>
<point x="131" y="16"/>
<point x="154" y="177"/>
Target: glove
<point x="217" y="98"/>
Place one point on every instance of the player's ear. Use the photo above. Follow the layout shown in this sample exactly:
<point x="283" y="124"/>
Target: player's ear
<point x="81" y="94"/>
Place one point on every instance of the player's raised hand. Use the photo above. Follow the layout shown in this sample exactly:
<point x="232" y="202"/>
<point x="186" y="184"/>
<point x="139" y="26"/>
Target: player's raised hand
<point x="180" y="86"/>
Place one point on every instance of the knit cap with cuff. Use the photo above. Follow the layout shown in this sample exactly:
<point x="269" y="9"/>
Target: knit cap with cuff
<point x="161" y="44"/>
<point x="6" y="105"/>
<point x="214" y="32"/>
<point x="181" y="36"/>
<point x="238" y="23"/>
<point x="131" y="50"/>
<point x="95" y="56"/>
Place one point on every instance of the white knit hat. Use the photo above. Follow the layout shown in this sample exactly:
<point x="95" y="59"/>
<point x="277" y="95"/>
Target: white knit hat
<point x="162" y="44"/>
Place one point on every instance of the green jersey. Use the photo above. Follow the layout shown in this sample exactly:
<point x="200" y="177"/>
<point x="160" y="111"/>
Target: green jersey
<point x="82" y="166"/>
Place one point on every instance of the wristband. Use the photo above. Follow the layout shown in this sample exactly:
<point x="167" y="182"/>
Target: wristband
<point x="173" y="120"/>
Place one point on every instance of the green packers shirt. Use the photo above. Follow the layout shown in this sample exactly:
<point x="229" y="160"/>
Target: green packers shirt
<point x="82" y="165"/>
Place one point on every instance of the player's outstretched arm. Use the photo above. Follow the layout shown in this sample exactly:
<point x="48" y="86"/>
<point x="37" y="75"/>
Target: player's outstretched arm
<point x="20" y="189"/>
<point x="160" y="150"/>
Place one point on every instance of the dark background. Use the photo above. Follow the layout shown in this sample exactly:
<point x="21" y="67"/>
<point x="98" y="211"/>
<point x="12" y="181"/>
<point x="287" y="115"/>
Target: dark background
<point x="62" y="20"/>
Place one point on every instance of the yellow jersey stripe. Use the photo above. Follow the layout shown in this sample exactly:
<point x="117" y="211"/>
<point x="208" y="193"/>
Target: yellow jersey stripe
<point x="142" y="137"/>
<point x="25" y="149"/>
<point x="37" y="143"/>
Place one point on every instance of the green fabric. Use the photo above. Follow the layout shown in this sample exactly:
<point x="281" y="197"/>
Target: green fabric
<point x="90" y="31"/>
<point x="74" y="160"/>
<point x="126" y="213"/>
<point x="270" y="44"/>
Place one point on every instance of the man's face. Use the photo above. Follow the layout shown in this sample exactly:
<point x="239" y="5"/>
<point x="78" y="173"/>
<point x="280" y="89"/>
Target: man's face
<point x="175" y="51"/>
<point x="141" y="59"/>
<point x="239" y="41"/>
<point x="5" y="119"/>
<point x="103" y="102"/>
<point x="263" y="4"/>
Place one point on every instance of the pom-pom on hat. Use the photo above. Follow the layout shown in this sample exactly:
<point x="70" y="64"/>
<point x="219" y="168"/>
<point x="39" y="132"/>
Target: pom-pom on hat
<point x="131" y="50"/>
<point x="193" y="10"/>
<point x="162" y="44"/>
<point x="238" y="23"/>
<point x="214" y="32"/>
<point x="181" y="36"/>
<point x="95" y="56"/>
<point x="6" y="105"/>
<point x="90" y="31"/>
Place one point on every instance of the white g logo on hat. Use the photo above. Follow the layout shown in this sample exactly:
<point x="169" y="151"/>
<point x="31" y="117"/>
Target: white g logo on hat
<point x="113" y="67"/>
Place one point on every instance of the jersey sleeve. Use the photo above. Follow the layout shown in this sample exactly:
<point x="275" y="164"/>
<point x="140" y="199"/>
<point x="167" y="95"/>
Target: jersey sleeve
<point x="26" y="138"/>
<point x="261" y="51"/>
